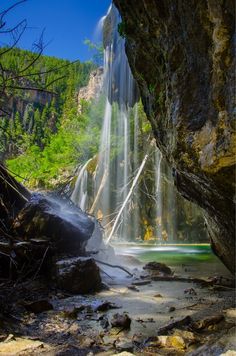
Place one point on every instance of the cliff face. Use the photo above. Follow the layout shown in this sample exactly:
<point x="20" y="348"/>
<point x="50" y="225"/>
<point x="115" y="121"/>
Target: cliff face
<point x="93" y="89"/>
<point x="181" y="54"/>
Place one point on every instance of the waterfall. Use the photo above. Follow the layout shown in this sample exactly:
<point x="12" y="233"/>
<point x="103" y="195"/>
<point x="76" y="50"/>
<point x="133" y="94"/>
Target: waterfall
<point x="159" y="222"/>
<point x="80" y="192"/>
<point x="121" y="155"/>
<point x="114" y="163"/>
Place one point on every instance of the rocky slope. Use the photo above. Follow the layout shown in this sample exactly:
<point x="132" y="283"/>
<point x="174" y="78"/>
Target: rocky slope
<point x="181" y="54"/>
<point x="92" y="90"/>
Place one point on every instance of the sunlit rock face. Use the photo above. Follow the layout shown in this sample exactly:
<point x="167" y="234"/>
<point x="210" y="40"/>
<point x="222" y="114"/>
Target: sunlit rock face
<point x="181" y="55"/>
<point x="92" y="90"/>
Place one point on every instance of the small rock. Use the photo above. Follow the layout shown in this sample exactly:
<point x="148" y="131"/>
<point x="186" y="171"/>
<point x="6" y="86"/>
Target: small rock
<point x="176" y="342"/>
<point x="104" y="322"/>
<point x="188" y="336"/>
<point x="158" y="296"/>
<point x="190" y="291"/>
<point x="38" y="306"/>
<point x="72" y="312"/>
<point x="158" y="268"/>
<point x="109" y="339"/>
<point x="207" y="322"/>
<point x="134" y="288"/>
<point x="124" y="345"/>
<point x="86" y="341"/>
<point x="121" y="320"/>
<point x="106" y="306"/>
<point x="18" y="346"/>
<point x="171" y="309"/>
<point x="72" y="275"/>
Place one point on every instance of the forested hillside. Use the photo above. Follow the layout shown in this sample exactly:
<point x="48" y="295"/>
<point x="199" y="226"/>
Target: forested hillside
<point x="40" y="139"/>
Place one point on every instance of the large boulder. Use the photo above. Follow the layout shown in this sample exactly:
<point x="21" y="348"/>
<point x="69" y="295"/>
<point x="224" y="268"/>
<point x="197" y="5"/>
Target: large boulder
<point x="65" y="227"/>
<point x="181" y="54"/>
<point x="78" y="275"/>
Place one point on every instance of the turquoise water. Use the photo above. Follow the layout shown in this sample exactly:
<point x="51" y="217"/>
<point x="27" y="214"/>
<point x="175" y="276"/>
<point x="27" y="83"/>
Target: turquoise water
<point x="188" y="258"/>
<point x="172" y="254"/>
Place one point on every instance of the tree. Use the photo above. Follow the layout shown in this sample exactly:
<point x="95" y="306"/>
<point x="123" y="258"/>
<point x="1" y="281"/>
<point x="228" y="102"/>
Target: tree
<point x="17" y="77"/>
<point x="97" y="50"/>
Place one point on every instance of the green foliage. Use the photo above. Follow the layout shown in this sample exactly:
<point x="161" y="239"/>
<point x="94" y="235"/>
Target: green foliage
<point x="76" y="139"/>
<point x="38" y="113"/>
<point x="97" y="50"/>
<point x="48" y="141"/>
<point x="43" y="138"/>
<point x="121" y="29"/>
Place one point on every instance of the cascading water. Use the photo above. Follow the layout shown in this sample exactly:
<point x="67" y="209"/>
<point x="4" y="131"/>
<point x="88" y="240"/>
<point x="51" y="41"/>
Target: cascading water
<point x="150" y="213"/>
<point x="158" y="195"/>
<point x="80" y="191"/>
<point x="114" y="164"/>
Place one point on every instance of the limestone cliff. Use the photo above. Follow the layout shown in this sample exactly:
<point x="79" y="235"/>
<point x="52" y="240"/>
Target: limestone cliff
<point x="93" y="89"/>
<point x="181" y="54"/>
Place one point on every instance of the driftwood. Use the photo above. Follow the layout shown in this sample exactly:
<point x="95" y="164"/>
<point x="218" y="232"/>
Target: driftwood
<point x="135" y="181"/>
<point x="180" y="279"/>
<point x="203" y="282"/>
<point x="175" y="324"/>
<point x="114" y="266"/>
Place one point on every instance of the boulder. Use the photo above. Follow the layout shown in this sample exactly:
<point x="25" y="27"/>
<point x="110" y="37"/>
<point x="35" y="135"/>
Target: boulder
<point x="181" y="55"/>
<point x="78" y="275"/>
<point x="65" y="227"/>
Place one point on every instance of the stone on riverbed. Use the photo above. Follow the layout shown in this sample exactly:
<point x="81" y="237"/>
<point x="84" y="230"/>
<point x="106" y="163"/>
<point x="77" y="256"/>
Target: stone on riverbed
<point x="65" y="227"/>
<point x="121" y="320"/>
<point x="78" y="275"/>
<point x="38" y="306"/>
<point x="20" y="346"/>
<point x="157" y="268"/>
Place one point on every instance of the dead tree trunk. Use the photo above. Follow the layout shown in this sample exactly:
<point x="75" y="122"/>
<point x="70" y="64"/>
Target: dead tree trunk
<point x="13" y="197"/>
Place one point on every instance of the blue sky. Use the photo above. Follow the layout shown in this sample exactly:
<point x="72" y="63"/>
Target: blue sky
<point x="67" y="24"/>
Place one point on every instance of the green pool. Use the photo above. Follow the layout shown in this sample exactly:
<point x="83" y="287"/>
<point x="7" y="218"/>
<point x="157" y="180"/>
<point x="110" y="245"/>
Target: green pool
<point x="195" y="258"/>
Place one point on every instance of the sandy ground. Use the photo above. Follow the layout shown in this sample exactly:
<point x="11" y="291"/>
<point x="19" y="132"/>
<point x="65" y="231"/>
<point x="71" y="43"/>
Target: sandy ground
<point x="75" y="327"/>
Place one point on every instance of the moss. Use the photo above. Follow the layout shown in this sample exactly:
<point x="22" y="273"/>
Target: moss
<point x="121" y="29"/>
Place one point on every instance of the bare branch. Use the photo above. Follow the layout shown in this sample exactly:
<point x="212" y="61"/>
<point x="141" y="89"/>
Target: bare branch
<point x="16" y="37"/>
<point x="30" y="88"/>
<point x="56" y="69"/>
<point x="40" y="47"/>
<point x="3" y="13"/>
